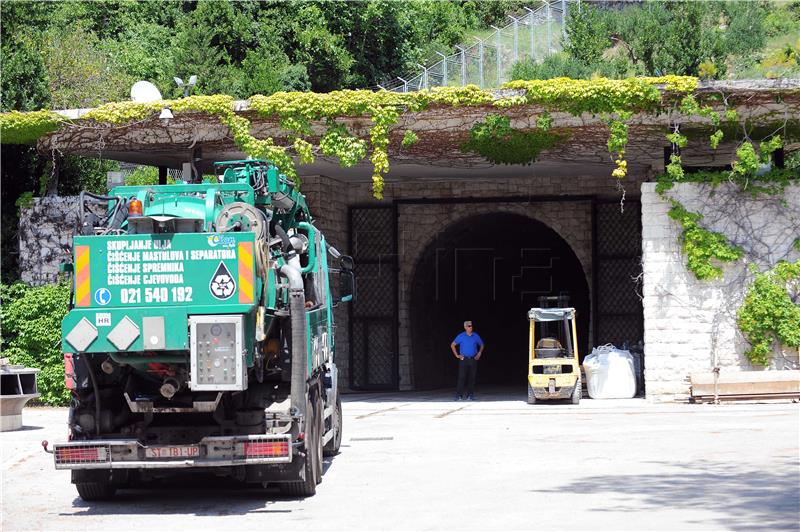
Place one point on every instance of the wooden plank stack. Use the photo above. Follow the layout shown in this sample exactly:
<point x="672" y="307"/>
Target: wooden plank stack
<point x="744" y="385"/>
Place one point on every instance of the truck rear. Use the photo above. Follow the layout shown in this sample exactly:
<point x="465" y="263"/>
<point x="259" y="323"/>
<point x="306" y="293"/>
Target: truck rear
<point x="200" y="335"/>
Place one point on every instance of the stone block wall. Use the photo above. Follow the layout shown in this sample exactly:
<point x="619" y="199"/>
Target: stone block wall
<point x="45" y="237"/>
<point x="690" y="325"/>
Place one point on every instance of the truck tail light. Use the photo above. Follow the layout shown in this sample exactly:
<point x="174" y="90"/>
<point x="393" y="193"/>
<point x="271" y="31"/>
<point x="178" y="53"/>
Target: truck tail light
<point x="135" y="208"/>
<point x="266" y="449"/>
<point x="81" y="454"/>
<point x="69" y="372"/>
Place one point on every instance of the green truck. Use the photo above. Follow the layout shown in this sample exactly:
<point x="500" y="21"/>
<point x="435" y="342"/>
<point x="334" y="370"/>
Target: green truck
<point x="200" y="335"/>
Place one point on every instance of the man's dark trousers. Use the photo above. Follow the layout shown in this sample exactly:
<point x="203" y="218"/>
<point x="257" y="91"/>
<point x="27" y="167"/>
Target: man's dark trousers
<point x="467" y="369"/>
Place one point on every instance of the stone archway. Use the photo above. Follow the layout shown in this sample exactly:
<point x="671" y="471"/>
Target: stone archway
<point x="489" y="268"/>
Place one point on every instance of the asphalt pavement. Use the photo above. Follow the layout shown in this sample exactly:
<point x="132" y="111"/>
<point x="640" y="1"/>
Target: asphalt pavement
<point x="422" y="461"/>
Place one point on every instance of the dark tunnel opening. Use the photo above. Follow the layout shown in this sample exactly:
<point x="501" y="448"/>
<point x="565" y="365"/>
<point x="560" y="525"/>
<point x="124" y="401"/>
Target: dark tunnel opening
<point x="489" y="269"/>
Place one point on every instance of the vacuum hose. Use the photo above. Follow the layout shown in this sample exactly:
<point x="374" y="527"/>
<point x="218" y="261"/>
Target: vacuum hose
<point x="287" y="245"/>
<point x="297" y="308"/>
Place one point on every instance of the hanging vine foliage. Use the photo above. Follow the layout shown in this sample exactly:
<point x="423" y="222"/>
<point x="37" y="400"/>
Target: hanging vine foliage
<point x="499" y="143"/>
<point x="25" y="128"/>
<point x="702" y="247"/>
<point x="614" y="101"/>
<point x="296" y="111"/>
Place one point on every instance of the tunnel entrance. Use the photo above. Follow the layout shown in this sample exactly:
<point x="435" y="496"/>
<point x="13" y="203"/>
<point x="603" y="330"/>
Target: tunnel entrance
<point x="489" y="269"/>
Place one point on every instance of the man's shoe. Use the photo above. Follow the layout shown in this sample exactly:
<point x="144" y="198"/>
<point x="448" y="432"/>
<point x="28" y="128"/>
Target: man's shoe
<point x="471" y="397"/>
<point x="458" y="398"/>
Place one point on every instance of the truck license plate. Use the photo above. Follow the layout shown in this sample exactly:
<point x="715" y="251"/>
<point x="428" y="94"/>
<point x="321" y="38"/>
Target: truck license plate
<point x="173" y="451"/>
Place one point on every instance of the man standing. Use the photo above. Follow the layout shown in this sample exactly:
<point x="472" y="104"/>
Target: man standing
<point x="470" y="348"/>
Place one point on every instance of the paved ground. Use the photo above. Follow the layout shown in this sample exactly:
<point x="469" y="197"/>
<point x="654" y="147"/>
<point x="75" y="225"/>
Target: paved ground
<point x="421" y="461"/>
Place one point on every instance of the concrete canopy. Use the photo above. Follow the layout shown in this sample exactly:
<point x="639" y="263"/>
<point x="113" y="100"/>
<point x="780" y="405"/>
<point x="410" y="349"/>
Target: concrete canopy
<point x="763" y="105"/>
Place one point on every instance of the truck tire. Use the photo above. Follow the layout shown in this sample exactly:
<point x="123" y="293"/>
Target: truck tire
<point x="332" y="447"/>
<point x="531" y="397"/>
<point x="95" y="491"/>
<point x="307" y="487"/>
<point x="577" y="392"/>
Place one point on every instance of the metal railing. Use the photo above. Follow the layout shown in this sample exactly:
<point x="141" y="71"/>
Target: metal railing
<point x="488" y="61"/>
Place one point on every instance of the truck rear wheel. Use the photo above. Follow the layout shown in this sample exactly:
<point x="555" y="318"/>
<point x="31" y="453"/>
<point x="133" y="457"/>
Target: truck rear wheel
<point x="95" y="491"/>
<point x="308" y="487"/>
<point x="531" y="397"/>
<point x="332" y="447"/>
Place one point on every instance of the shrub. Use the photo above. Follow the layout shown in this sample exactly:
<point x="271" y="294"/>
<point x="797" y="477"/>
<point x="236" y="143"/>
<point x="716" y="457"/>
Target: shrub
<point x="553" y="66"/>
<point x="142" y="175"/>
<point x="31" y="319"/>
<point x="563" y="65"/>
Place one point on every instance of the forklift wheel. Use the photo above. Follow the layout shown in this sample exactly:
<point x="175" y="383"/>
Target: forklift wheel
<point x="531" y="397"/>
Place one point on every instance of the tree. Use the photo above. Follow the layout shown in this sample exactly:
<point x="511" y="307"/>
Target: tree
<point x="267" y="70"/>
<point x="143" y="52"/>
<point x="195" y="54"/>
<point x="79" y="74"/>
<point x="671" y="37"/>
<point x="375" y="36"/>
<point x="24" y="79"/>
<point x="323" y="53"/>
<point x="587" y="34"/>
<point x="232" y="29"/>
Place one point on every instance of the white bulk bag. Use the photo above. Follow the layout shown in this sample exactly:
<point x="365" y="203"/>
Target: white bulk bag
<point x="610" y="373"/>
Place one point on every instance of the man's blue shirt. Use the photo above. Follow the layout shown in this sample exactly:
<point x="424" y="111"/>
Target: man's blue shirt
<point x="468" y="344"/>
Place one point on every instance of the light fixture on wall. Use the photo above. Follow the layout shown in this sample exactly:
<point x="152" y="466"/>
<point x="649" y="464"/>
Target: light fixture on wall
<point x="166" y="115"/>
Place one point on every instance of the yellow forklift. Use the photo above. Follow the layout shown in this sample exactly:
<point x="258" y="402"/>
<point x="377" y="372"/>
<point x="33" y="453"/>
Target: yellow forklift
<point x="553" y="368"/>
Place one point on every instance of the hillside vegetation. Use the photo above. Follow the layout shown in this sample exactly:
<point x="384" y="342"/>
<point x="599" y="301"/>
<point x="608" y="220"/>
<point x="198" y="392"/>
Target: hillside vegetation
<point x="711" y="40"/>
<point x="68" y="54"/>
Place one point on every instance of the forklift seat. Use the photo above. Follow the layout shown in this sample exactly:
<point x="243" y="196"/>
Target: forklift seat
<point x="549" y="343"/>
<point x="549" y="347"/>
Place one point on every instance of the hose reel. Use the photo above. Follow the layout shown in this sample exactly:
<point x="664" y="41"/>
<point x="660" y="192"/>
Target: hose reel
<point x="240" y="216"/>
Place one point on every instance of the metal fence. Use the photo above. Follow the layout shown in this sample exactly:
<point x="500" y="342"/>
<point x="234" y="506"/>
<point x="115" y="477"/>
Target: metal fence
<point x="487" y="62"/>
<point x="126" y="169"/>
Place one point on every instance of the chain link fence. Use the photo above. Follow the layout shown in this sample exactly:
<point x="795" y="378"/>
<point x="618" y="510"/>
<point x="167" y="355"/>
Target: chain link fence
<point x="488" y="61"/>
